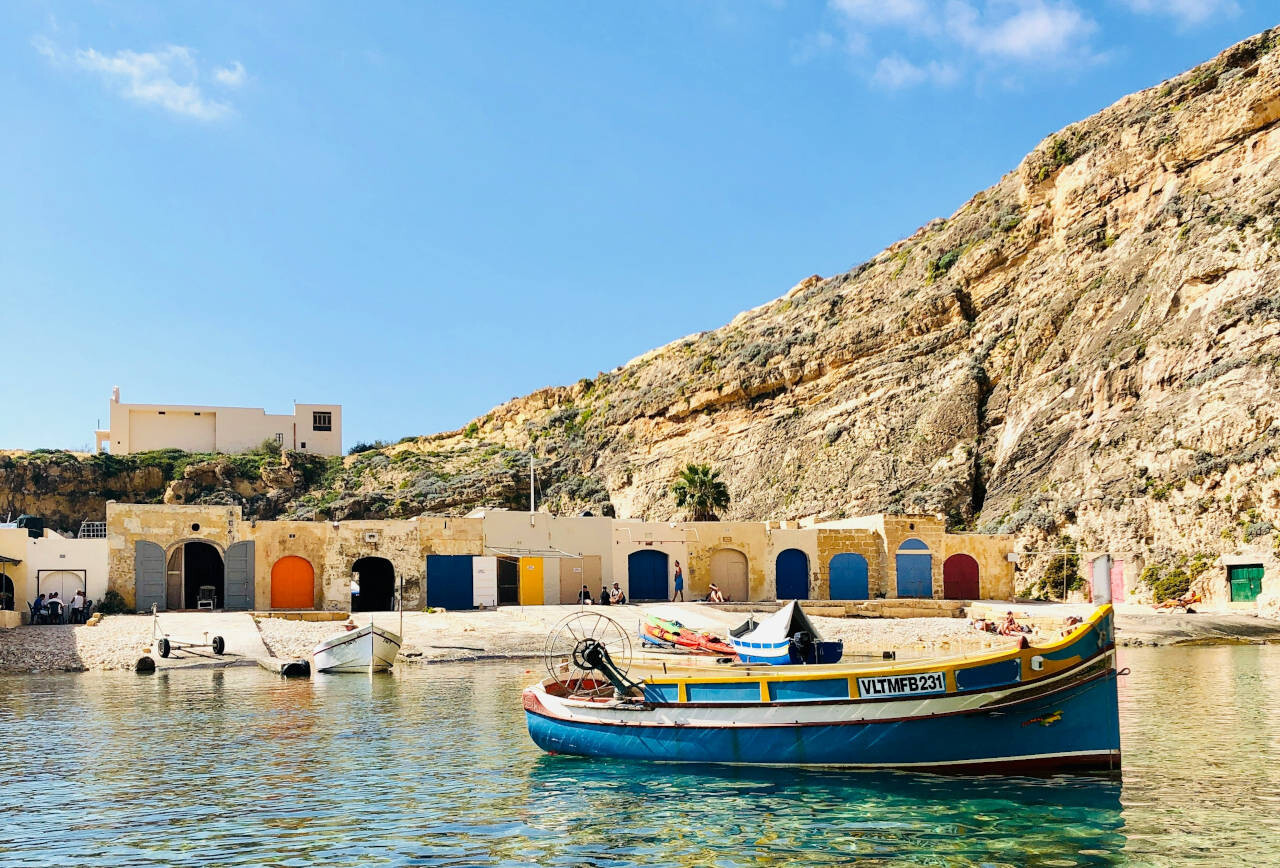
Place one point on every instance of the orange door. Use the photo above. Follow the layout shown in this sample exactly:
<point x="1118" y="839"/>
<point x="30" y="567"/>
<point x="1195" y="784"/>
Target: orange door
<point x="292" y="584"/>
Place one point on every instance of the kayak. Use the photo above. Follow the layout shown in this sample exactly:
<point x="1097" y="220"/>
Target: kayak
<point x="678" y="634"/>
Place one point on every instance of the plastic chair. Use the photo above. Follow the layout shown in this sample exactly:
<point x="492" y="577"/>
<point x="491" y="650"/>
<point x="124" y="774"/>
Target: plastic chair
<point x="207" y="597"/>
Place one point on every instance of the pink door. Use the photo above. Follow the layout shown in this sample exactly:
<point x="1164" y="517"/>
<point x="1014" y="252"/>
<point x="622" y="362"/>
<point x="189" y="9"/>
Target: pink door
<point x="1117" y="581"/>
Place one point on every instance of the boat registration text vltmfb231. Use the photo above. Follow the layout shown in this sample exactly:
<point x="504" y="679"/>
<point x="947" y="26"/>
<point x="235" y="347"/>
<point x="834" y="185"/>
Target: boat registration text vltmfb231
<point x="903" y="685"/>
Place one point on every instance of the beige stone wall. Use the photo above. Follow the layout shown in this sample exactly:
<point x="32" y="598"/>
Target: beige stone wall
<point x="630" y="536"/>
<point x="781" y="539"/>
<point x="167" y="526"/>
<point x="333" y="547"/>
<point x="900" y="528"/>
<point x="860" y="541"/>
<point x="13" y="544"/>
<point x="705" y="538"/>
<point x="995" y="570"/>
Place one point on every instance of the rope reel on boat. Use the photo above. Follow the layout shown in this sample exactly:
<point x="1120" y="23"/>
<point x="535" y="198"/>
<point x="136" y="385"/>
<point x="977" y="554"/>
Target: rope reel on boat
<point x="587" y="642"/>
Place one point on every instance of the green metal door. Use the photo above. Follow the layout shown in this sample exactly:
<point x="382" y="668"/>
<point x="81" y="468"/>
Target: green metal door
<point x="1246" y="582"/>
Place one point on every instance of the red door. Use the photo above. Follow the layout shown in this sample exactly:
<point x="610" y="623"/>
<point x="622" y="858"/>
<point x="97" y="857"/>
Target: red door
<point x="960" y="578"/>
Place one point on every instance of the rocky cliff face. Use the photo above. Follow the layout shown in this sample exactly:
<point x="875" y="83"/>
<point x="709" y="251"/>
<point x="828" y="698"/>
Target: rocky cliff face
<point x="66" y="488"/>
<point x="1085" y="354"/>
<point x="1088" y="349"/>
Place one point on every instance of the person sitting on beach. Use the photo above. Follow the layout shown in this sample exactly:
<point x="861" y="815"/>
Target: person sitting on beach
<point x="1010" y="626"/>
<point x="584" y="596"/>
<point x="714" y="595"/>
<point x="604" y="595"/>
<point x="983" y="625"/>
<point x="616" y="596"/>
<point x="350" y="625"/>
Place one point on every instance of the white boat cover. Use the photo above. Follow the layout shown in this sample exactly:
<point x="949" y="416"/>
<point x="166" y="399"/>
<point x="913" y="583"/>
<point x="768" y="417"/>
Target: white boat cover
<point x="781" y="626"/>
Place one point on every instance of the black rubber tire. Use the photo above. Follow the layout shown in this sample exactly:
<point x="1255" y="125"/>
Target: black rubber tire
<point x="164" y="647"/>
<point x="219" y="645"/>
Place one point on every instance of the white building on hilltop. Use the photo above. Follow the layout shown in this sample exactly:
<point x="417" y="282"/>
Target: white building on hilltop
<point x="142" y="427"/>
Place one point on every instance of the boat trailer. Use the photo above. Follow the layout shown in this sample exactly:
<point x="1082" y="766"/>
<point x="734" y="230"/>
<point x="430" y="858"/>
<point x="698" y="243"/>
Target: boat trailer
<point x="166" y="644"/>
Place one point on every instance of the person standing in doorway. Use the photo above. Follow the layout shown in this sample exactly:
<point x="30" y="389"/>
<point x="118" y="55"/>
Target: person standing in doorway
<point x="679" y="584"/>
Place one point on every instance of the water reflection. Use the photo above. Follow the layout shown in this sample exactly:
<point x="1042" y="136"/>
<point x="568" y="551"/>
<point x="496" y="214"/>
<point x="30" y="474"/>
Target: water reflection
<point x="433" y="767"/>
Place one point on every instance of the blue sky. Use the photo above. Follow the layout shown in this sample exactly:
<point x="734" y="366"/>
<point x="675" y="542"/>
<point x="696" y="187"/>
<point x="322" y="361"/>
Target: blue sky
<point x="422" y="209"/>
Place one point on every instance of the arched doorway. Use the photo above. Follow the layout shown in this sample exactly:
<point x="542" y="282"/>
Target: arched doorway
<point x="64" y="583"/>
<point x="960" y="578"/>
<point x="729" y="573"/>
<point x="376" y="579"/>
<point x="647" y="575"/>
<point x="292" y="583"/>
<point x="915" y="569"/>
<point x="201" y="571"/>
<point x="848" y="577"/>
<point x="793" y="575"/>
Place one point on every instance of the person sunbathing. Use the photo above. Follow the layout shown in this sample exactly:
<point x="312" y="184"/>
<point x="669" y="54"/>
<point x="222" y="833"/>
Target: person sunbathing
<point x="1183" y="602"/>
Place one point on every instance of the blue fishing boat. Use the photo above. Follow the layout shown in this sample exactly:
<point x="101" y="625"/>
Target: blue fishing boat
<point x="1027" y="708"/>
<point x="785" y="637"/>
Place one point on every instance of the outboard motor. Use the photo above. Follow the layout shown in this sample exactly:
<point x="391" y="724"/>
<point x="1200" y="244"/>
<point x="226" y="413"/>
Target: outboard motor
<point x="802" y="647"/>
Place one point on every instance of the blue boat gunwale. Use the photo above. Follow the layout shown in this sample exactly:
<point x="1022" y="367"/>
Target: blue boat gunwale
<point x="1071" y="684"/>
<point x="1084" y="663"/>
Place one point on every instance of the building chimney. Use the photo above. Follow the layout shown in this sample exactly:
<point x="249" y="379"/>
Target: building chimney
<point x="115" y="394"/>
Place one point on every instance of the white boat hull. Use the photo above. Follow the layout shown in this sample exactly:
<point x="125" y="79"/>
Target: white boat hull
<point x="357" y="652"/>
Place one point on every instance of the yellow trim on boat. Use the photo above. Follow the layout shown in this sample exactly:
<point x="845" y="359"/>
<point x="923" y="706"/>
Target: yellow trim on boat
<point x="766" y="675"/>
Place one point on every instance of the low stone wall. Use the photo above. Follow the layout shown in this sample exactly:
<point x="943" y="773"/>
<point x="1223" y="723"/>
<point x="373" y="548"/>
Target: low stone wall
<point x="879" y="608"/>
<point x="304" y="616"/>
<point x="9" y="620"/>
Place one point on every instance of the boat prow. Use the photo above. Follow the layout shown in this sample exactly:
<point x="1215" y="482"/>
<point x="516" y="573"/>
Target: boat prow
<point x="358" y="651"/>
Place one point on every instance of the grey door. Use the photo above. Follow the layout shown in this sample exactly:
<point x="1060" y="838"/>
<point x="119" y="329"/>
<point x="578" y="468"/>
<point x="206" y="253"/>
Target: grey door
<point x="148" y="575"/>
<point x="238" y="590"/>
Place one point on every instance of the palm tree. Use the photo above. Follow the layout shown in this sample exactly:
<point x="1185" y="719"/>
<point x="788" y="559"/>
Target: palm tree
<point x="698" y="488"/>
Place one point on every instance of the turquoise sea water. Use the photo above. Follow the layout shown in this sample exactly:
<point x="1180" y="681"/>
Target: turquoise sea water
<point x="433" y="766"/>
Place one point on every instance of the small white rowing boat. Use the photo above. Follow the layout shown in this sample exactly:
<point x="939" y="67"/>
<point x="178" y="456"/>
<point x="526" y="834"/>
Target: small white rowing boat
<point x="368" y="648"/>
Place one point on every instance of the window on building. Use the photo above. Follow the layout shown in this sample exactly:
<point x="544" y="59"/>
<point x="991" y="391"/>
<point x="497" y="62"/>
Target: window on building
<point x="279" y="439"/>
<point x="304" y="444"/>
<point x="321" y="421"/>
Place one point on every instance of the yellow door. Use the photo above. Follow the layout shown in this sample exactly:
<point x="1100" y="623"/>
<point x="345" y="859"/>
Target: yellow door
<point x="531" y="591"/>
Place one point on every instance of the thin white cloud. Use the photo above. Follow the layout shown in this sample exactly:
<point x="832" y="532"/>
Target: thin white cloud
<point x="1185" y="12"/>
<point x="895" y="72"/>
<point x="1036" y="31"/>
<point x="933" y="41"/>
<point x="230" y="76"/>
<point x="168" y="77"/>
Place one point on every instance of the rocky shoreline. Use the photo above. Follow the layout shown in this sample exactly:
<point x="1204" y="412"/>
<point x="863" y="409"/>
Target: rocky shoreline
<point x="516" y="632"/>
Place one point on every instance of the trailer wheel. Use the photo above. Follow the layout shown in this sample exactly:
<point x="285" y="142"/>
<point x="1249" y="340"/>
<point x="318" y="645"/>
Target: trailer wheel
<point x="164" y="648"/>
<point x="219" y="645"/>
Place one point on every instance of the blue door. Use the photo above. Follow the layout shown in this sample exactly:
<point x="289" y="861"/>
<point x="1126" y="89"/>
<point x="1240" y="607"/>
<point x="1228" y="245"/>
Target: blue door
<point x="915" y="570"/>
<point x="449" y="582"/>
<point x="793" y="575"/>
<point x="647" y="575"/>
<point x="848" y="577"/>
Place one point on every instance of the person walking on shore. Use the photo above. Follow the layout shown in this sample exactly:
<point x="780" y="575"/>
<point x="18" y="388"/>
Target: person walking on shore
<point x="679" y="584"/>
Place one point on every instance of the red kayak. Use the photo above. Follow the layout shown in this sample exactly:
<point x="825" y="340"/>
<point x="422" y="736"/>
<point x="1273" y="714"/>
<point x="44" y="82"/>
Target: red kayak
<point x="678" y="634"/>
